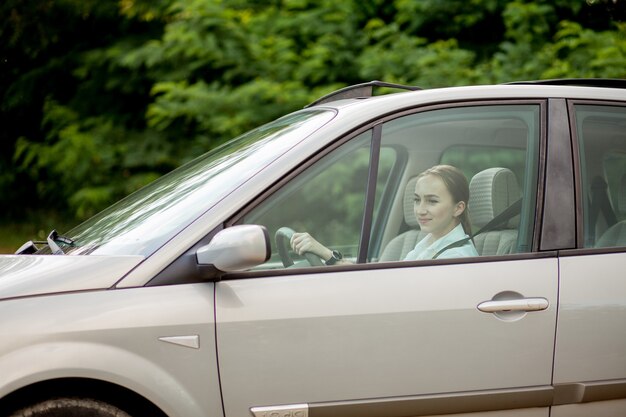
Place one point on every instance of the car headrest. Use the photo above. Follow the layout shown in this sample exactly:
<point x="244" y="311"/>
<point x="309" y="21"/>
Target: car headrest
<point x="491" y="192"/>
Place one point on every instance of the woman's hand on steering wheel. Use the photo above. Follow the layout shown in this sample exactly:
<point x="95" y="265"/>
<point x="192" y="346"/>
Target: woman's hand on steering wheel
<point x="302" y="243"/>
<point x="283" y="239"/>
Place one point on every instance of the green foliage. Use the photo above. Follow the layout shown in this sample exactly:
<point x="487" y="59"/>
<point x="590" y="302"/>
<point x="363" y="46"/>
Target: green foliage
<point x="91" y="157"/>
<point x="99" y="98"/>
<point x="579" y="52"/>
<point x="410" y="60"/>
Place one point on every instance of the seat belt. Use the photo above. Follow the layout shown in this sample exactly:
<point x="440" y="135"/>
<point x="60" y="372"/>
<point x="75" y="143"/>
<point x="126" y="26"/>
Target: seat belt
<point x="456" y="244"/>
<point x="506" y="215"/>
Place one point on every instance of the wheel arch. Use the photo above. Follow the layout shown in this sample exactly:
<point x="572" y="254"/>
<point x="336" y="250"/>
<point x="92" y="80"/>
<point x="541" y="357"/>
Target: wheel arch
<point x="62" y="367"/>
<point x="108" y="392"/>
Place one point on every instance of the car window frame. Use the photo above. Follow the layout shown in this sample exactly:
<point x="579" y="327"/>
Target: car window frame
<point x="376" y="126"/>
<point x="558" y="229"/>
<point x="392" y="187"/>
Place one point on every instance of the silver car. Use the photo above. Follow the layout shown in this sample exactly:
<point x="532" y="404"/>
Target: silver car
<point x="188" y="299"/>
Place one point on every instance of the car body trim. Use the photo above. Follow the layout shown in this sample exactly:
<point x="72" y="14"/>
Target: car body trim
<point x="558" y="230"/>
<point x="592" y="251"/>
<point x="191" y="341"/>
<point x="585" y="392"/>
<point x="425" y="405"/>
<point x="370" y="196"/>
<point x="295" y="410"/>
<point x="386" y="265"/>
<point x="541" y="175"/>
<point x="457" y="402"/>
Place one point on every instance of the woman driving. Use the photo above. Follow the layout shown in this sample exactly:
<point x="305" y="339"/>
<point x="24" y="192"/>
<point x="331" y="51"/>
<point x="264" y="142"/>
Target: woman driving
<point x="441" y="195"/>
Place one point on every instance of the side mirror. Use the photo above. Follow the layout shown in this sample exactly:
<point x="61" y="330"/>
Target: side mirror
<point x="236" y="249"/>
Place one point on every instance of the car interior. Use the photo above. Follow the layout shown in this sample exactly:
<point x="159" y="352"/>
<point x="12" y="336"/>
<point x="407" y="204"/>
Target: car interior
<point x="496" y="153"/>
<point x="603" y="165"/>
<point x="496" y="147"/>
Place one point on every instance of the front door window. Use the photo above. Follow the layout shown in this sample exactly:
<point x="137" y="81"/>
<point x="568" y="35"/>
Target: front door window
<point x="329" y="214"/>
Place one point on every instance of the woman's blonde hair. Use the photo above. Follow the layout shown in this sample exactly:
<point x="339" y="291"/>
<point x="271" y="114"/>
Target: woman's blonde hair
<point x="457" y="185"/>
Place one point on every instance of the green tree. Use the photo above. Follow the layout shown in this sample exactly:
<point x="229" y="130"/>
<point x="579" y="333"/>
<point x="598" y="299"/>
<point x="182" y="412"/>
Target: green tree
<point x="71" y="111"/>
<point x="99" y="98"/>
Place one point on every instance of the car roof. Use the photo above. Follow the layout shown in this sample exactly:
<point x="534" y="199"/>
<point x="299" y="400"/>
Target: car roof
<point x="364" y="90"/>
<point x="395" y="101"/>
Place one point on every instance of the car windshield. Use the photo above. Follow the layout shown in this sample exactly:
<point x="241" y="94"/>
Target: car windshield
<point x="145" y="220"/>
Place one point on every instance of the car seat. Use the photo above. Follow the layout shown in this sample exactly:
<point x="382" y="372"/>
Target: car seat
<point x="492" y="191"/>
<point x="401" y="245"/>
<point x="616" y="234"/>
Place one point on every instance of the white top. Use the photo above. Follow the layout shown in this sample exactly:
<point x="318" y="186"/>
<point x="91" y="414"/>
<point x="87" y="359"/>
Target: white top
<point x="424" y="251"/>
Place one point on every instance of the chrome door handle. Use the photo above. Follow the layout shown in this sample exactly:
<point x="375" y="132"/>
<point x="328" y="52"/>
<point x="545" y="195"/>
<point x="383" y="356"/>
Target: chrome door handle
<point x="520" y="304"/>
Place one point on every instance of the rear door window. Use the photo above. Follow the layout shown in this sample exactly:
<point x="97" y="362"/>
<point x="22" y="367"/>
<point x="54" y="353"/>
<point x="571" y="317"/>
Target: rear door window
<point x="601" y="134"/>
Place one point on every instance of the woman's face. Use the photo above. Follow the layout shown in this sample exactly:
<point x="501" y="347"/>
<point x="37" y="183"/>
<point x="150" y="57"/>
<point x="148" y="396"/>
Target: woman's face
<point x="434" y="207"/>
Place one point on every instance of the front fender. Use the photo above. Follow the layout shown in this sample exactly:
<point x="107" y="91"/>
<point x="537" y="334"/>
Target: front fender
<point x="96" y="361"/>
<point x="114" y="336"/>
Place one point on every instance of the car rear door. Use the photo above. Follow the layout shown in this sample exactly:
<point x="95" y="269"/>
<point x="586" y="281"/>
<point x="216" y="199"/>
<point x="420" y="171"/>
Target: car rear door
<point x="590" y="355"/>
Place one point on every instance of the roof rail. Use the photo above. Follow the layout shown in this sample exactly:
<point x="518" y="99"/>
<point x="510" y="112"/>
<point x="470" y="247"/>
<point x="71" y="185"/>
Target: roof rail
<point x="579" y="82"/>
<point x="359" y="91"/>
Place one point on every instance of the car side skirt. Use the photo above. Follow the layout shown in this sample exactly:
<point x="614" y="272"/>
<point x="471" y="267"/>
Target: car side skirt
<point x="455" y="403"/>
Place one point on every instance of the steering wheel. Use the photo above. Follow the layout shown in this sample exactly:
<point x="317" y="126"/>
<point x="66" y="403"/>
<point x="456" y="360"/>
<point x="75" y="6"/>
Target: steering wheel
<point x="283" y="239"/>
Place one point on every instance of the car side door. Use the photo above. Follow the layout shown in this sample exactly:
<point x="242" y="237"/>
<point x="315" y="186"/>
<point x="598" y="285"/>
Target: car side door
<point x="590" y="355"/>
<point x="381" y="336"/>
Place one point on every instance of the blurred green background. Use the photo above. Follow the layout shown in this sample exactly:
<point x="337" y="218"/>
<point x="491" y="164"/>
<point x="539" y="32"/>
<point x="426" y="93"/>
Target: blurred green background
<point x="101" y="97"/>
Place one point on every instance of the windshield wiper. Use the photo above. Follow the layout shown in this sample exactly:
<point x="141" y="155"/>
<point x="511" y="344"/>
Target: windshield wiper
<point x="30" y="247"/>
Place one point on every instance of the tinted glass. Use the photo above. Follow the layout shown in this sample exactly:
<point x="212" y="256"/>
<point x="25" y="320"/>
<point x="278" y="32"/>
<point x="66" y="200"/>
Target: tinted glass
<point x="495" y="149"/>
<point x="601" y="132"/>
<point x="327" y="201"/>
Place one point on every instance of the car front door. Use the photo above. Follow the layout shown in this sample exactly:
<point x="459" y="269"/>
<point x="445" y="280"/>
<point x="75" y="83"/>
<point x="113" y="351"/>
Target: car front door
<point x="379" y="336"/>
